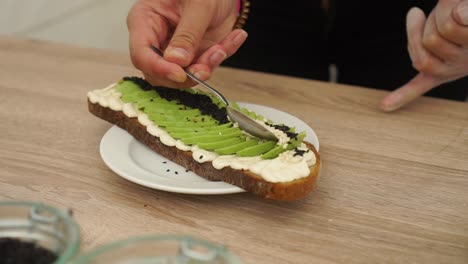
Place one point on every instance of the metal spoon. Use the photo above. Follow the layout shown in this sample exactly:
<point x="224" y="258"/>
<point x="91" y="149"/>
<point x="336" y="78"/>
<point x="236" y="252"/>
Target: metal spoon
<point x="245" y="122"/>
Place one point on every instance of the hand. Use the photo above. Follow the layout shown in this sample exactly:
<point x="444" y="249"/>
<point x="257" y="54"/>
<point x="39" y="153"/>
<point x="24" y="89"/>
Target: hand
<point x="194" y="33"/>
<point x="438" y="47"/>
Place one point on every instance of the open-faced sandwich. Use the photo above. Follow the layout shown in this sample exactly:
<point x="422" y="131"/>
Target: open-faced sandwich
<point x="191" y="128"/>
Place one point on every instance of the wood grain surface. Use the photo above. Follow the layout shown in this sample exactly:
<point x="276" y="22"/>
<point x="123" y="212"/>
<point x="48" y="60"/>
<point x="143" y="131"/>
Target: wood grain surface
<point x="393" y="187"/>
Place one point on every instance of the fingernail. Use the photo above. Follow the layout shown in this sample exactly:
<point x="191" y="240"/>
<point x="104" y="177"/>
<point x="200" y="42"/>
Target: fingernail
<point x="462" y="10"/>
<point x="176" y="77"/>
<point x="240" y="38"/>
<point x="217" y="57"/>
<point x="178" y="53"/>
<point x="411" y="17"/>
<point x="202" y="75"/>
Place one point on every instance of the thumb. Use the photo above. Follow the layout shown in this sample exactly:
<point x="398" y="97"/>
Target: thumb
<point x="460" y="13"/>
<point x="416" y="87"/>
<point x="194" y="21"/>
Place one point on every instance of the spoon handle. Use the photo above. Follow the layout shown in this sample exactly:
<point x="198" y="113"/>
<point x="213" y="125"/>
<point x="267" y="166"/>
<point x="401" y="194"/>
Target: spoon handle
<point x="220" y="96"/>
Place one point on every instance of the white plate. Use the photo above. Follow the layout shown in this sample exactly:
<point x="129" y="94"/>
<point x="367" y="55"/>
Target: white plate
<point x="135" y="162"/>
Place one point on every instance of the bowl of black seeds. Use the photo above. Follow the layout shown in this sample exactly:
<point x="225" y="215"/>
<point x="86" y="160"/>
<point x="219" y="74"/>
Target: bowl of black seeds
<point x="36" y="233"/>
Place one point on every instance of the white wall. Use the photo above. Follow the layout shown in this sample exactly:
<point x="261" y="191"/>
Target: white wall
<point x="91" y="23"/>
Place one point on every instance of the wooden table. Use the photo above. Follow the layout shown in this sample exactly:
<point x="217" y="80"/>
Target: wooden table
<point x="393" y="187"/>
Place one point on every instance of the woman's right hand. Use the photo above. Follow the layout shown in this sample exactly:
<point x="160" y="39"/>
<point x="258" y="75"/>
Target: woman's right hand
<point x="196" y="34"/>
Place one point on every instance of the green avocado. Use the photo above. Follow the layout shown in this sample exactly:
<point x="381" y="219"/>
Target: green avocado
<point x="213" y="132"/>
<point x="257" y="149"/>
<point x="195" y="126"/>
<point x="234" y="148"/>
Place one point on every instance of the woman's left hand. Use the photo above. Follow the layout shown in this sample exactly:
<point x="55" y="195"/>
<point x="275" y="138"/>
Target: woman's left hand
<point x="438" y="47"/>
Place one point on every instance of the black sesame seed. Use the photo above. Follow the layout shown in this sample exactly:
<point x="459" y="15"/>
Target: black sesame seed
<point x="186" y="170"/>
<point x="299" y="152"/>
<point x="164" y="162"/>
<point x="176" y="172"/>
<point x="201" y="156"/>
<point x="168" y="170"/>
<point x="285" y="129"/>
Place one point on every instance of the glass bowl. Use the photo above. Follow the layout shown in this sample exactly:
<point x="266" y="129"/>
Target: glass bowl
<point x="165" y="249"/>
<point x="32" y="227"/>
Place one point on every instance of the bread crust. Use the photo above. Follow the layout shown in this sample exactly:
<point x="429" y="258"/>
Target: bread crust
<point x="283" y="191"/>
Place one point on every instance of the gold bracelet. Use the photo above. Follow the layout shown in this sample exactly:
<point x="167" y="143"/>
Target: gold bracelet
<point x="243" y="14"/>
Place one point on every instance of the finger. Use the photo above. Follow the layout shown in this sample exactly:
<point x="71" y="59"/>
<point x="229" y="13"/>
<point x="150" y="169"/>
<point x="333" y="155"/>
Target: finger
<point x="451" y="18"/>
<point x="215" y="55"/>
<point x="201" y="71"/>
<point x="423" y="60"/>
<point x="150" y="63"/>
<point x="437" y="44"/>
<point x="234" y="41"/>
<point x="142" y="37"/>
<point x="158" y="81"/>
<point x="194" y="21"/>
<point x="460" y="13"/>
<point x="415" y="20"/>
<point x="418" y="86"/>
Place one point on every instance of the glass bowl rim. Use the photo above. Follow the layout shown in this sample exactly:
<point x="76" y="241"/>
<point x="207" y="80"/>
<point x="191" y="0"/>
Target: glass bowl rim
<point x="115" y="245"/>
<point x="72" y="249"/>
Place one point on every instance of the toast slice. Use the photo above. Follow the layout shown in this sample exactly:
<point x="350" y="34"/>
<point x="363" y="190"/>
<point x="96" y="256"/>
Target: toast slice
<point x="283" y="190"/>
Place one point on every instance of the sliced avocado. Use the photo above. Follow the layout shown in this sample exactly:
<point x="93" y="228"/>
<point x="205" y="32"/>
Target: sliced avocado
<point x="237" y="147"/>
<point x="273" y="153"/>
<point x="209" y="139"/>
<point x="198" y="129"/>
<point x="220" y="144"/>
<point x="296" y="142"/>
<point x="257" y="150"/>
<point x="187" y="124"/>
<point x="127" y="87"/>
<point x="193" y="127"/>
<point x="194" y="133"/>
<point x="154" y="104"/>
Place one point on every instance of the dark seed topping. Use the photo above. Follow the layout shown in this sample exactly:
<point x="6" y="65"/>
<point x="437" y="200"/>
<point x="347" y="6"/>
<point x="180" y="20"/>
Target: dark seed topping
<point x="140" y="82"/>
<point x="299" y="152"/>
<point x="176" y="172"/>
<point x="285" y="129"/>
<point x="186" y="170"/>
<point x="201" y="156"/>
<point x="198" y="101"/>
<point x="168" y="170"/>
<point x="164" y="162"/>
<point x="19" y="252"/>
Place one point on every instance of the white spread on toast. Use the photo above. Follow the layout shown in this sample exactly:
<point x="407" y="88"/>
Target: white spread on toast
<point x="283" y="139"/>
<point x="284" y="168"/>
